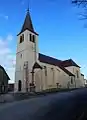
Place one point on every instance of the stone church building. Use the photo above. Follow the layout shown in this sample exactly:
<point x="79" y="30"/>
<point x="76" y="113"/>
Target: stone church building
<point x="35" y="71"/>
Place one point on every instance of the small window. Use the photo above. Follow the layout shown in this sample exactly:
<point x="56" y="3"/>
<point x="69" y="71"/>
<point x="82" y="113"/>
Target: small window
<point x="21" y="38"/>
<point x="77" y="74"/>
<point x="45" y="70"/>
<point x="32" y="38"/>
<point x="71" y="80"/>
<point x="51" y="68"/>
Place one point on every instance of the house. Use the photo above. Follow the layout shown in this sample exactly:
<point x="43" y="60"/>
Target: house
<point x="4" y="78"/>
<point x="35" y="71"/>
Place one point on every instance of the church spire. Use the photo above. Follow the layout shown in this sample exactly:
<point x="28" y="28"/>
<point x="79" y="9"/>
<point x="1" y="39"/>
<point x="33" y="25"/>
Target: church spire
<point x="27" y="23"/>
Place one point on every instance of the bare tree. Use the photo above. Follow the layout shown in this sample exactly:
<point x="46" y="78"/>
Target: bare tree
<point x="83" y="5"/>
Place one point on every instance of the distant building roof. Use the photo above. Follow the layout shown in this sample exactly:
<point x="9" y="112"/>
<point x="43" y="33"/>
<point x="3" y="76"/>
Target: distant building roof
<point x="53" y="61"/>
<point x="4" y="72"/>
<point x="69" y="62"/>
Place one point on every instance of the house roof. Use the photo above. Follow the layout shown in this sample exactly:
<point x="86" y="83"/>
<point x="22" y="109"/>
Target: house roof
<point x="28" y="24"/>
<point x="4" y="72"/>
<point x="69" y="62"/>
<point x="53" y="61"/>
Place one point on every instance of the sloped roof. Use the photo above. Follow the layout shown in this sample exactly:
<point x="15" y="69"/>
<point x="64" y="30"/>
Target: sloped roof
<point x="69" y="62"/>
<point x="49" y="60"/>
<point x="53" y="61"/>
<point x="28" y="24"/>
<point x="66" y="71"/>
<point x="4" y="72"/>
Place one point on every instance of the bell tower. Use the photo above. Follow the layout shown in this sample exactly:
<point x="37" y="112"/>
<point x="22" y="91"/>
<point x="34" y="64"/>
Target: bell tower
<point x="27" y="51"/>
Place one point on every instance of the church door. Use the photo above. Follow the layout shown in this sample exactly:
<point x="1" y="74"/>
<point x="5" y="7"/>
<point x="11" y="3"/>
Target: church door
<point x="19" y="85"/>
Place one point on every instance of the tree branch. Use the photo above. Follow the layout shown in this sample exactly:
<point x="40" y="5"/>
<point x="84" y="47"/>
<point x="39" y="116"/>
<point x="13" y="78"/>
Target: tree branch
<point x="82" y="3"/>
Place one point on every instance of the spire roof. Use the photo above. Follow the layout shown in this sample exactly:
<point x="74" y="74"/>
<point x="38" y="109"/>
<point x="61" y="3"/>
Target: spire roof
<point x="28" y="24"/>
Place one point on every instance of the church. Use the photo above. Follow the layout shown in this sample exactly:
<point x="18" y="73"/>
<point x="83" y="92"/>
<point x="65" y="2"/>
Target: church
<point x="37" y="72"/>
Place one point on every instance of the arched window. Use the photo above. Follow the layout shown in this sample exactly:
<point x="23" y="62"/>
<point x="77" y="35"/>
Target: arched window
<point x="19" y="85"/>
<point x="21" y="38"/>
<point x="77" y="74"/>
<point x="32" y="38"/>
<point x="45" y="68"/>
<point x="71" y="80"/>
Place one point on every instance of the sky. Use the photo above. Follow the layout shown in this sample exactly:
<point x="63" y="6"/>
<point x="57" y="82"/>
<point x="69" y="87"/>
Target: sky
<point x="61" y="32"/>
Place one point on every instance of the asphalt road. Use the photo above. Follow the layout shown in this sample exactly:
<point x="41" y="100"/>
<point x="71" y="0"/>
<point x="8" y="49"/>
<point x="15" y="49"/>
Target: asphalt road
<point x="59" y="106"/>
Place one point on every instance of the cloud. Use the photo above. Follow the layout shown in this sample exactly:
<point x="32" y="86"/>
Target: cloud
<point x="7" y="58"/>
<point x="9" y="37"/>
<point x="4" y="16"/>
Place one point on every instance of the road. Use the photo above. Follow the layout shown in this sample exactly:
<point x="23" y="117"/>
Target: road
<point x="59" y="106"/>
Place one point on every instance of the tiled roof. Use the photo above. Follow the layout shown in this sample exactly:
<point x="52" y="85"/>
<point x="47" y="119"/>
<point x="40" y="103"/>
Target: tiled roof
<point x="70" y="62"/>
<point x="53" y="61"/>
<point x="48" y="60"/>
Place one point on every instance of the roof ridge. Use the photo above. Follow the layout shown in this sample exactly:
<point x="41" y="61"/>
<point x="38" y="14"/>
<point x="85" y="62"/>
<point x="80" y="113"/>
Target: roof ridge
<point x="50" y="57"/>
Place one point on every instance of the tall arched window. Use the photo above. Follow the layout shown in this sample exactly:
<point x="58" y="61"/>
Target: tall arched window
<point x="45" y="68"/>
<point x="77" y="74"/>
